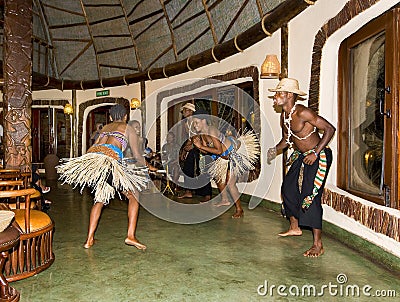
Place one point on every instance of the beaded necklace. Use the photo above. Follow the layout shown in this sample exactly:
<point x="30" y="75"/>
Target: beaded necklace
<point x="287" y="122"/>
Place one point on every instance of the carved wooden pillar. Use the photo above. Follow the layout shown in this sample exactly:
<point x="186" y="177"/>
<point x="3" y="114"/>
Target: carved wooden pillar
<point x="17" y="91"/>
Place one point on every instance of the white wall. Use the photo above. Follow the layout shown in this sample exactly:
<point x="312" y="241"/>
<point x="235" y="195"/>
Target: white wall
<point x="301" y="40"/>
<point x="302" y="31"/>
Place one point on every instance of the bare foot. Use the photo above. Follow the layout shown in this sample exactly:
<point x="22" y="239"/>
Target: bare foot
<point x="314" y="252"/>
<point x="290" y="232"/>
<point x="89" y="243"/>
<point x="135" y="243"/>
<point x="186" y="195"/>
<point x="205" y="199"/>
<point x="238" y="214"/>
<point x="222" y="203"/>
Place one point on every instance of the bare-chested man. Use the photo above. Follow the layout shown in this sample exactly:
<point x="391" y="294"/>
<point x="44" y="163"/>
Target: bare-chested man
<point x="311" y="158"/>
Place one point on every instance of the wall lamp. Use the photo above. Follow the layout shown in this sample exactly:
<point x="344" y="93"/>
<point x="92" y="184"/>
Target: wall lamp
<point x="68" y="109"/>
<point x="135" y="103"/>
<point x="270" y="68"/>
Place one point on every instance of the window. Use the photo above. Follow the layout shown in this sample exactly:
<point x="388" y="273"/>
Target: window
<point x="368" y="97"/>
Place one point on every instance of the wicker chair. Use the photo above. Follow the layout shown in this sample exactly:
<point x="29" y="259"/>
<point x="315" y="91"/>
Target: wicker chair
<point x="34" y="253"/>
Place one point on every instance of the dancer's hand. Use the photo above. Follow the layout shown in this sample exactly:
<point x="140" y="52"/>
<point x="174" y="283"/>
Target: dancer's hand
<point x="271" y="154"/>
<point x="197" y="142"/>
<point x="310" y="159"/>
<point x="306" y="203"/>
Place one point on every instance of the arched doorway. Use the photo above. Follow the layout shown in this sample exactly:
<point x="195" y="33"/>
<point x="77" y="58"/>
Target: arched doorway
<point x="97" y="116"/>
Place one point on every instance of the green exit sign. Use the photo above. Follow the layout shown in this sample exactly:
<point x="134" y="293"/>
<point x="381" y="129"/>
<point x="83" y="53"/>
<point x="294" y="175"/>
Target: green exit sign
<point x="103" y="92"/>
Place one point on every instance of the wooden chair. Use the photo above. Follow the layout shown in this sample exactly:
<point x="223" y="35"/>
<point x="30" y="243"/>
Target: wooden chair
<point x="34" y="253"/>
<point x="10" y="174"/>
<point x="7" y="185"/>
<point x="8" y="239"/>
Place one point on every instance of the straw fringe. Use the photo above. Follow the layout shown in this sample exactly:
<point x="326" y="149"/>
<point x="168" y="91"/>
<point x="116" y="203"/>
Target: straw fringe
<point x="93" y="169"/>
<point x="240" y="161"/>
<point x="218" y="169"/>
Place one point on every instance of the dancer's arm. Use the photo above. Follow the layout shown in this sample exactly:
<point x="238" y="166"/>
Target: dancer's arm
<point x="133" y="140"/>
<point x="213" y="136"/>
<point x="282" y="144"/>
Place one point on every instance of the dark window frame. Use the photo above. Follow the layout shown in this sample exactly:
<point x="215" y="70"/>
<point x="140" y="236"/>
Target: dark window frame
<point x="388" y="23"/>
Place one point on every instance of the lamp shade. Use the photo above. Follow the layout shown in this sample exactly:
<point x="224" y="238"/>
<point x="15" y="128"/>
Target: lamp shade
<point x="135" y="103"/>
<point x="68" y="109"/>
<point x="271" y="68"/>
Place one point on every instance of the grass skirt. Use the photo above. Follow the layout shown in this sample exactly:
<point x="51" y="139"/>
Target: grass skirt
<point x="94" y="169"/>
<point x="240" y="161"/>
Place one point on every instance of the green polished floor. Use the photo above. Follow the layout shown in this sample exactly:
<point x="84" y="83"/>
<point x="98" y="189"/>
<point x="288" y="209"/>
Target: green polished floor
<point x="220" y="260"/>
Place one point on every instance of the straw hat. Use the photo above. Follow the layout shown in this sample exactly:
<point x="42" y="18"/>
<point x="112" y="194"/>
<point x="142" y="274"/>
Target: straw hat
<point x="5" y="219"/>
<point x="288" y="85"/>
<point x="189" y="106"/>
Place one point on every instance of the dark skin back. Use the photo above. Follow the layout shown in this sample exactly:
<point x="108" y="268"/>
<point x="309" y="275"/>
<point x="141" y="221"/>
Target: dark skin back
<point x="130" y="133"/>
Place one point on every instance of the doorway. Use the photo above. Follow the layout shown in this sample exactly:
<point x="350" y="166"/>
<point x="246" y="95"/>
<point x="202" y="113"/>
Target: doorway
<point x="98" y="116"/>
<point x="51" y="133"/>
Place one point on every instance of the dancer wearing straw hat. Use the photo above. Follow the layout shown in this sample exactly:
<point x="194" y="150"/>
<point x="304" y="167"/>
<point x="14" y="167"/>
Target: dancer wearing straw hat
<point x="310" y="162"/>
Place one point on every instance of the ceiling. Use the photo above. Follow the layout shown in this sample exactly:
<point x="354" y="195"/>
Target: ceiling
<point x="94" y="43"/>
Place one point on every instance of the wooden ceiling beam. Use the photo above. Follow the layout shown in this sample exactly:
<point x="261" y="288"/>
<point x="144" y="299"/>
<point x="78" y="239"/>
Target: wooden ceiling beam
<point x="159" y="56"/>
<point x="50" y="57"/>
<point x="142" y="18"/>
<point x="194" y="40"/>
<point x="134" y="8"/>
<point x="71" y="40"/>
<point x="214" y="35"/>
<point x="112" y="36"/>
<point x="101" y="5"/>
<point x="119" y="67"/>
<point x="170" y="29"/>
<point x="212" y="6"/>
<point x="99" y="52"/>
<point x="76" y="57"/>
<point x="41" y="42"/>
<point x="233" y="21"/>
<point x="94" y="44"/>
<point x="259" y="7"/>
<point x="106" y="20"/>
<point x="147" y="27"/>
<point x="67" y="25"/>
<point x="63" y="9"/>
<point x="191" y="18"/>
<point x="180" y="11"/>
<point x="138" y="62"/>
<point x="271" y="22"/>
